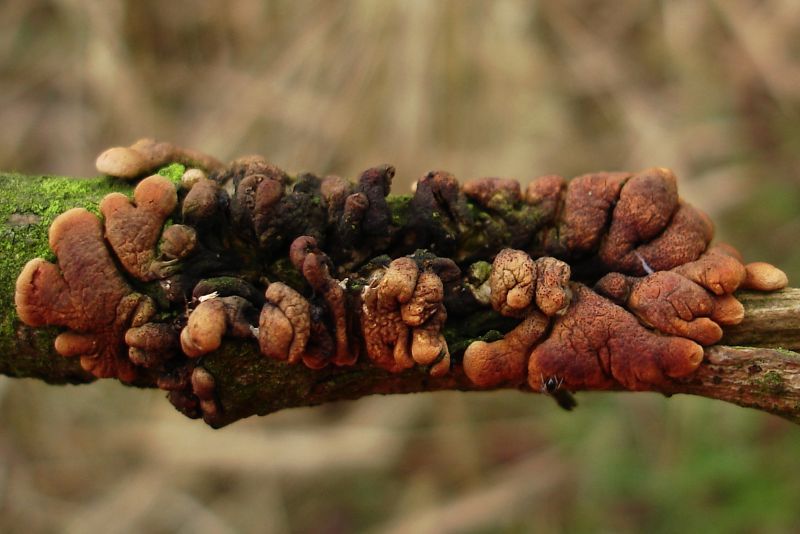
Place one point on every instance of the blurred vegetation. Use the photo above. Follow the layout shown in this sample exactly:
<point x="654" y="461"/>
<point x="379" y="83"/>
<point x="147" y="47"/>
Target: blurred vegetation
<point x="710" y="88"/>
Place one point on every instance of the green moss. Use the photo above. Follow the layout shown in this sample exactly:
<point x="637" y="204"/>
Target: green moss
<point x="173" y="171"/>
<point x="399" y="205"/>
<point x="770" y="383"/>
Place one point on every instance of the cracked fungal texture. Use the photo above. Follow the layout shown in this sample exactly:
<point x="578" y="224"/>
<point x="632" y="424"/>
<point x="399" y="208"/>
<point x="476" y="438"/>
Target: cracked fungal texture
<point x="331" y="272"/>
<point x="599" y="345"/>
<point x="402" y="316"/>
<point x="133" y="230"/>
<point x="285" y="323"/>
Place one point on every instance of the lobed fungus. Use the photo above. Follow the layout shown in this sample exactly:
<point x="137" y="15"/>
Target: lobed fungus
<point x="316" y="266"/>
<point x="147" y="155"/>
<point x="284" y="326"/>
<point x="84" y="293"/>
<point x="504" y="361"/>
<point x="661" y="291"/>
<point x="214" y="318"/>
<point x="133" y="230"/>
<point x="599" y="345"/>
<point x="402" y="316"/>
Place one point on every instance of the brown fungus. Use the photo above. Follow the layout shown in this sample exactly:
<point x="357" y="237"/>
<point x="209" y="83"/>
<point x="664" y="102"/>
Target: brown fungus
<point x="84" y="293"/>
<point x="284" y="327"/>
<point x="504" y="361"/>
<point x="147" y="155"/>
<point x="151" y="344"/>
<point x="493" y="193"/>
<point x="133" y="230"/>
<point x="719" y="270"/>
<point x="671" y="304"/>
<point x="316" y="266"/>
<point x="214" y="318"/>
<point x="205" y="204"/>
<point x="685" y="238"/>
<point x="585" y="214"/>
<point x="203" y="387"/>
<point x="645" y="207"/>
<point x="599" y="345"/>
<point x="517" y="281"/>
<point x="545" y="193"/>
<point x="512" y="282"/>
<point x="764" y="277"/>
<point x="386" y="335"/>
<point x="439" y="211"/>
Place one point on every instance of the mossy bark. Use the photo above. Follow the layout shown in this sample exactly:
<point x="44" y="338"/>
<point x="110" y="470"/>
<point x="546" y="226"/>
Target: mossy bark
<point x="761" y="371"/>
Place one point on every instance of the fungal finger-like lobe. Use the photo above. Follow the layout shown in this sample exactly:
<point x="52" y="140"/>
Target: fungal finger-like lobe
<point x="504" y="361"/>
<point x="203" y="387"/>
<point x="585" y="213"/>
<point x="599" y="345"/>
<point x="552" y="285"/>
<point x="151" y="344"/>
<point x="398" y="283"/>
<point x="512" y="282"/>
<point x="313" y="263"/>
<point x="727" y="310"/>
<point x="214" y="318"/>
<point x="375" y="184"/>
<point x="763" y="276"/>
<point x="203" y="203"/>
<point x="646" y="204"/>
<point x="147" y="155"/>
<point x="386" y="336"/>
<point x="719" y="270"/>
<point x="685" y="238"/>
<point x="425" y="301"/>
<point x="493" y="193"/>
<point x="545" y="193"/>
<point x="675" y="305"/>
<point x="178" y="242"/>
<point x="285" y="323"/>
<point x="204" y="330"/>
<point x="428" y="345"/>
<point x="84" y="293"/>
<point x="133" y="230"/>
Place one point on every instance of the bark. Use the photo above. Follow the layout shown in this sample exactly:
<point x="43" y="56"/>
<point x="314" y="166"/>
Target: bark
<point x="754" y="366"/>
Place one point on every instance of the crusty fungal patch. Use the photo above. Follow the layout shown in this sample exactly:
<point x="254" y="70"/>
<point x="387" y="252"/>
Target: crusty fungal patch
<point x="84" y="293"/>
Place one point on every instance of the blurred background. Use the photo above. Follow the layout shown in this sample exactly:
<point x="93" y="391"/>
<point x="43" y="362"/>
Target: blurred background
<point x="710" y="88"/>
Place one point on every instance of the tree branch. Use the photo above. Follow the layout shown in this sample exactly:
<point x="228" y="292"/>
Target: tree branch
<point x="761" y="371"/>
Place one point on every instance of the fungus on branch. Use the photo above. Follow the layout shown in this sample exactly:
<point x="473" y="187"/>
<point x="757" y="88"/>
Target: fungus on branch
<point x="84" y="293"/>
<point x="599" y="345"/>
<point x="147" y="155"/>
<point x="315" y="266"/>
<point x="133" y="230"/>
<point x="284" y="326"/>
<point x="214" y="318"/>
<point x="504" y="361"/>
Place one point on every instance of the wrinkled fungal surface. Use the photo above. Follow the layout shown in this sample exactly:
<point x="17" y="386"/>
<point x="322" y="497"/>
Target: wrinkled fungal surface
<point x="605" y="281"/>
